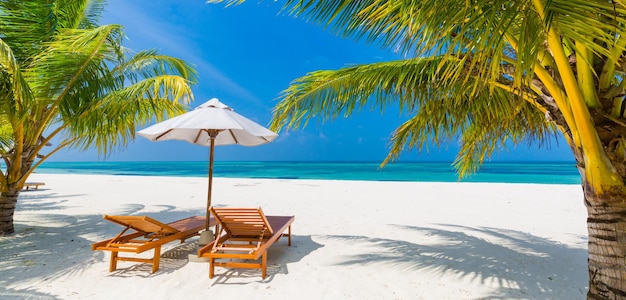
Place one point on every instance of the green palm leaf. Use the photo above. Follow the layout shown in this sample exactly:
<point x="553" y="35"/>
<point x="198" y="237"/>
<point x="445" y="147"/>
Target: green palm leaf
<point x="440" y="108"/>
<point x="67" y="77"/>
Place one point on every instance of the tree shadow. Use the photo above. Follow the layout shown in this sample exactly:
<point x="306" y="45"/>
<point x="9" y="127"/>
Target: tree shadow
<point x="44" y="247"/>
<point x="9" y="294"/>
<point x="519" y="264"/>
<point x="41" y="200"/>
<point x="49" y="246"/>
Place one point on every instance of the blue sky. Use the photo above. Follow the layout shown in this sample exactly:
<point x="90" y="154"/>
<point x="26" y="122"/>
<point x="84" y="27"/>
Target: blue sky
<point x="246" y="55"/>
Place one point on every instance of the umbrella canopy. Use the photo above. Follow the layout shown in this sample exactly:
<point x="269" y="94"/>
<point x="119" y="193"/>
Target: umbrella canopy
<point x="196" y="126"/>
<point x="212" y="123"/>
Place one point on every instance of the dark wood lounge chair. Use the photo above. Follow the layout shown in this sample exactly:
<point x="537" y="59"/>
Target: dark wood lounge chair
<point x="244" y="234"/>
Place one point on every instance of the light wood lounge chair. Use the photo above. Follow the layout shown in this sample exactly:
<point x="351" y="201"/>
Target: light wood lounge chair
<point x="149" y="234"/>
<point x="244" y="234"/>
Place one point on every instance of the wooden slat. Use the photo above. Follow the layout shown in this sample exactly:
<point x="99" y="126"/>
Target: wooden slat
<point x="218" y="255"/>
<point x="238" y="265"/>
<point x="190" y="223"/>
<point x="142" y="224"/>
<point x="135" y="259"/>
<point x="248" y="250"/>
<point x="243" y="221"/>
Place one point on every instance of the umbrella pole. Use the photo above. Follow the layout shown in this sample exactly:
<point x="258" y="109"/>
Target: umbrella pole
<point x="208" y="204"/>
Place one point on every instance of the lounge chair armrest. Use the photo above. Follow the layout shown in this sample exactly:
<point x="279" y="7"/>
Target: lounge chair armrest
<point x="206" y="248"/>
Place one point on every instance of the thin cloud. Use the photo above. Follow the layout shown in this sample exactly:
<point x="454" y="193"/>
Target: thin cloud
<point x="166" y="37"/>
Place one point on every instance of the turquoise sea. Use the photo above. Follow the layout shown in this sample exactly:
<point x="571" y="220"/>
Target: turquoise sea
<point x="547" y="173"/>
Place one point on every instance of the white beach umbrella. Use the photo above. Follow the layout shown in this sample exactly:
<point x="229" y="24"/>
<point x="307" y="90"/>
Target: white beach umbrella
<point x="212" y="123"/>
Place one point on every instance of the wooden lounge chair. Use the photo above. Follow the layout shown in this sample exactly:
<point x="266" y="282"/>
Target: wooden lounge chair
<point x="36" y="185"/>
<point x="148" y="234"/>
<point x="244" y="234"/>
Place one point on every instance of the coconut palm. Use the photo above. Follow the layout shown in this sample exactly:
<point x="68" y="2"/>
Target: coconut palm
<point x="491" y="72"/>
<point x="63" y="77"/>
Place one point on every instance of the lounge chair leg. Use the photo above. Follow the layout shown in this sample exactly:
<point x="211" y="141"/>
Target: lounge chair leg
<point x="113" y="263"/>
<point x="289" y="236"/>
<point x="264" y="264"/>
<point x="211" y="266"/>
<point x="157" y="259"/>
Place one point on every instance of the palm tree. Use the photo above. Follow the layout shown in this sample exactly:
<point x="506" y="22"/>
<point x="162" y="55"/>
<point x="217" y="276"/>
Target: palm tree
<point x="491" y="71"/>
<point x="64" y="77"/>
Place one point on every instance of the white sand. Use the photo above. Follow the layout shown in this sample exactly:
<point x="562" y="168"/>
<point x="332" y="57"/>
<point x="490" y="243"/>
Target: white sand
<point x="352" y="240"/>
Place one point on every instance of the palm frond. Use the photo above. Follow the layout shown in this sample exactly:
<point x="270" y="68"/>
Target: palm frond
<point x="62" y="76"/>
<point x="76" y="55"/>
<point x="481" y="124"/>
<point x="437" y="91"/>
<point x="85" y="81"/>
<point x="6" y="134"/>
<point x="148" y="63"/>
<point x="330" y="94"/>
<point x="14" y="90"/>
<point x="24" y="24"/>
<point x="110" y="122"/>
<point x="597" y="23"/>
<point x="79" y="14"/>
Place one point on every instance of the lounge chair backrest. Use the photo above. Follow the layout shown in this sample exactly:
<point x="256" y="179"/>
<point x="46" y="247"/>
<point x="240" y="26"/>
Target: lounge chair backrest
<point x="142" y="224"/>
<point x="249" y="222"/>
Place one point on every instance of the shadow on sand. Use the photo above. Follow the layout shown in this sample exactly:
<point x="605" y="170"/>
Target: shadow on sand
<point x="519" y="264"/>
<point x="47" y="246"/>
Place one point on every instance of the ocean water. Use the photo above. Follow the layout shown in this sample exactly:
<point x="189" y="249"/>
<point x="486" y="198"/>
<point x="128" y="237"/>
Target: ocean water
<point x="542" y="173"/>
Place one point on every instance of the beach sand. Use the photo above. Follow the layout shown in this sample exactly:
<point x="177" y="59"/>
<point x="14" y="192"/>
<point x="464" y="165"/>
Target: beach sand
<point x="352" y="240"/>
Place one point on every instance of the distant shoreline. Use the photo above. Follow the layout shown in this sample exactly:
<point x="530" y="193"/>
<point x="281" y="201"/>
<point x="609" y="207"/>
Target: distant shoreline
<point x="317" y="161"/>
<point x="495" y="172"/>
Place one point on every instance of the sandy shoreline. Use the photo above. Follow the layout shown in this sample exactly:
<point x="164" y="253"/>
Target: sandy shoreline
<point x="352" y="239"/>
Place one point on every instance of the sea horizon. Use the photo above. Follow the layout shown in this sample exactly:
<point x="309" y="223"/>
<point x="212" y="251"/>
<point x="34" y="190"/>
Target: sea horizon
<point x="497" y="172"/>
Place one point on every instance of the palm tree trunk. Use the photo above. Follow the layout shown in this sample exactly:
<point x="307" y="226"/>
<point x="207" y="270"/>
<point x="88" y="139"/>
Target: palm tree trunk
<point x="8" y="201"/>
<point x="606" y="224"/>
